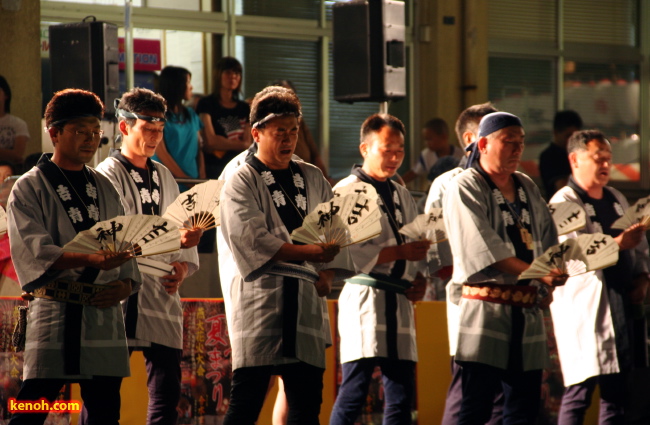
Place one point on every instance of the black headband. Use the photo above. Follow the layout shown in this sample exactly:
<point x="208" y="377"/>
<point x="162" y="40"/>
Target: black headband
<point x="496" y="121"/>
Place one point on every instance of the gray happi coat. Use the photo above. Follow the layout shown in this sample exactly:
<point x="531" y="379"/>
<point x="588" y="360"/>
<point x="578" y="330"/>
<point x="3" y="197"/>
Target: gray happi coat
<point x="254" y="232"/>
<point x="160" y="315"/>
<point x="478" y="237"/>
<point x="38" y="228"/>
<point x="362" y="319"/>
<point x="588" y="347"/>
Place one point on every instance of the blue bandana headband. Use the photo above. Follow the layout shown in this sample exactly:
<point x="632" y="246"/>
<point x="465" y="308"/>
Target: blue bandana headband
<point x="496" y="121"/>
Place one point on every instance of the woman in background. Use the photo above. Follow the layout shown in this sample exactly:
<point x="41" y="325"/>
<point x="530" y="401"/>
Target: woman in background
<point x="180" y="149"/>
<point x="13" y="131"/>
<point x="226" y="131"/>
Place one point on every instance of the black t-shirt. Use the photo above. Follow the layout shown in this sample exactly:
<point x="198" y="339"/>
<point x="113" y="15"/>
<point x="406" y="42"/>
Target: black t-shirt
<point x="227" y="122"/>
<point x="553" y="165"/>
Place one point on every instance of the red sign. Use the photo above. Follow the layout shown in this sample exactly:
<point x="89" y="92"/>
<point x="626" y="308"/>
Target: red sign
<point x="146" y="54"/>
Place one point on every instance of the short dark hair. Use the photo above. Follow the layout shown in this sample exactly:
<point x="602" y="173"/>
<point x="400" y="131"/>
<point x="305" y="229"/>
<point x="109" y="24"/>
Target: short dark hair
<point x="274" y="100"/>
<point x="139" y="100"/>
<point x="4" y="86"/>
<point x="374" y="123"/>
<point x="14" y="167"/>
<point x="172" y="85"/>
<point x="469" y="119"/>
<point x="566" y="119"/>
<point x="438" y="126"/>
<point x="227" y="63"/>
<point x="69" y="104"/>
<point x="283" y="83"/>
<point x="579" y="139"/>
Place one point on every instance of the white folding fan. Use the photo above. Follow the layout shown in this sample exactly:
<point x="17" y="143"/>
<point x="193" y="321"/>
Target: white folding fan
<point x="358" y="187"/>
<point x="154" y="268"/>
<point x="343" y="221"/>
<point x="198" y="207"/>
<point x="568" y="217"/>
<point x="141" y="235"/>
<point x="637" y="213"/>
<point x="574" y="256"/>
<point x="428" y="226"/>
<point x="3" y="221"/>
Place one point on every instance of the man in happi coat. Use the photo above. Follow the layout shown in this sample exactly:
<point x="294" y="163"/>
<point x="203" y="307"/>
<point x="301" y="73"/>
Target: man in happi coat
<point x="70" y="337"/>
<point x="375" y="307"/>
<point x="440" y="261"/>
<point x="593" y="314"/>
<point x="153" y="315"/>
<point x="497" y="223"/>
<point x="277" y="316"/>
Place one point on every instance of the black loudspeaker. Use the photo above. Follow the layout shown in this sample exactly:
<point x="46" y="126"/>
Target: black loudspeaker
<point x="369" y="51"/>
<point x="85" y="56"/>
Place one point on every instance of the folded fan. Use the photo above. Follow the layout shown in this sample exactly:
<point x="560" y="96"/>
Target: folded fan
<point x="141" y="235"/>
<point x="343" y="221"/>
<point x="568" y="217"/>
<point x="154" y="268"/>
<point x="198" y="207"/>
<point x="3" y="221"/>
<point x="585" y="253"/>
<point x="428" y="226"/>
<point x="637" y="213"/>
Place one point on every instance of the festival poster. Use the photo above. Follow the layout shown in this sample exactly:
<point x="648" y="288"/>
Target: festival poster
<point x="206" y="365"/>
<point x="11" y="365"/>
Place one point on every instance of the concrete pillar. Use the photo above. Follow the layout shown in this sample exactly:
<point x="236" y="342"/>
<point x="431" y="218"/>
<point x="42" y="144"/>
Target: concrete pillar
<point x="451" y="48"/>
<point x="20" y="63"/>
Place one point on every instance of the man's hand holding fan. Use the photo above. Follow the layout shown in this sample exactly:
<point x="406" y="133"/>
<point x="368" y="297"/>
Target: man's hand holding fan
<point x="135" y="235"/>
<point x="343" y="221"/>
<point x="429" y="226"/>
<point x="639" y="213"/>
<point x="572" y="257"/>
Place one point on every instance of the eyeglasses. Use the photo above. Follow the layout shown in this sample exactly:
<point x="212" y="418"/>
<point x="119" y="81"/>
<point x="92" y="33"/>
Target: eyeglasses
<point x="87" y="134"/>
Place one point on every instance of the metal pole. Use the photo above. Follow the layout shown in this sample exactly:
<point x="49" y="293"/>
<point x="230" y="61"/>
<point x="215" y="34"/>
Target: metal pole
<point x="128" y="45"/>
<point x="383" y="107"/>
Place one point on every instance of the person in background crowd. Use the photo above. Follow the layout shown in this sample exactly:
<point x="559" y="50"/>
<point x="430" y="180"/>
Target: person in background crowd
<point x="436" y="135"/>
<point x="376" y="322"/>
<point x="554" y="161"/>
<point x="226" y="131"/>
<point x="497" y="224"/>
<point x="14" y="134"/>
<point x="594" y="313"/>
<point x="83" y="342"/>
<point x="180" y="150"/>
<point x="6" y="169"/>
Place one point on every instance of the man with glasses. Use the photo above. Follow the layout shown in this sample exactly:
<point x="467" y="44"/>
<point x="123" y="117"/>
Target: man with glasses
<point x="70" y="337"/>
<point x="153" y="315"/>
<point x="594" y="313"/>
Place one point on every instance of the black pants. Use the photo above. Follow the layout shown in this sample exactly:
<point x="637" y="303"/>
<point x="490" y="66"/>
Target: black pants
<point x="101" y="397"/>
<point x="521" y="390"/>
<point x="455" y="398"/>
<point x="303" y="386"/>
